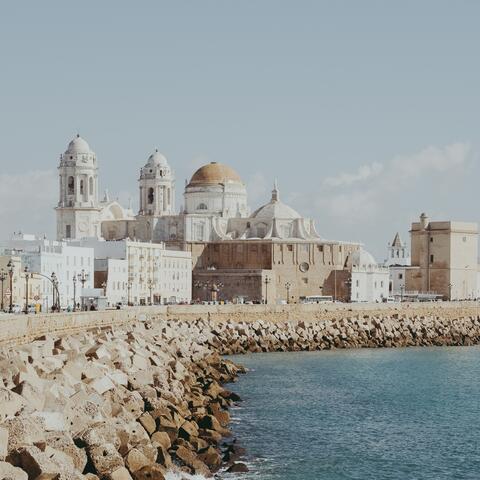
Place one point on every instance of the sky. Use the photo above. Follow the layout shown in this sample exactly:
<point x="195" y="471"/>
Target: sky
<point x="367" y="113"/>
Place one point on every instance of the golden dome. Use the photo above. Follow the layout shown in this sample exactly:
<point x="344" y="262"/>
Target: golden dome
<point x="214" y="173"/>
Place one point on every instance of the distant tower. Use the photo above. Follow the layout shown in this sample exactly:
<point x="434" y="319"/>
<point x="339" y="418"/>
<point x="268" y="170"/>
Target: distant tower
<point x="398" y="253"/>
<point x="77" y="209"/>
<point x="157" y="187"/>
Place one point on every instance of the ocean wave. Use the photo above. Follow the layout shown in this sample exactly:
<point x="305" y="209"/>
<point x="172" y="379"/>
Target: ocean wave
<point x="183" y="476"/>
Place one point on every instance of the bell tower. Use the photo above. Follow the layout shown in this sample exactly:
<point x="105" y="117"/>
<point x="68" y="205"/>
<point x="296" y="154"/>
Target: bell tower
<point x="157" y="187"/>
<point x="78" y="212"/>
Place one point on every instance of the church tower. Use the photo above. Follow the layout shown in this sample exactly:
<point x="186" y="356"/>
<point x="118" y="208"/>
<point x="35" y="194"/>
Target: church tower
<point x="157" y="187"/>
<point x="398" y="253"/>
<point x="78" y="209"/>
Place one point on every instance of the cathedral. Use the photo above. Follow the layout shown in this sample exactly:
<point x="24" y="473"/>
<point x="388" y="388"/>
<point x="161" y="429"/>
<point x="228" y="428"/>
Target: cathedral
<point x="215" y="205"/>
<point x="272" y="254"/>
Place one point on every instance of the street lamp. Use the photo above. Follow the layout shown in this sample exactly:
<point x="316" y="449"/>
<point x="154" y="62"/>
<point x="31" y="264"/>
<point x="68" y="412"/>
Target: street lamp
<point x="288" y="285"/>
<point x="150" y="284"/>
<point x="10" y="269"/>
<point x="56" y="293"/>
<point x="74" y="292"/>
<point x="82" y="278"/>
<point x="129" y="288"/>
<point x="266" y="282"/>
<point x="335" y="287"/>
<point x="28" y="275"/>
<point x="3" y="277"/>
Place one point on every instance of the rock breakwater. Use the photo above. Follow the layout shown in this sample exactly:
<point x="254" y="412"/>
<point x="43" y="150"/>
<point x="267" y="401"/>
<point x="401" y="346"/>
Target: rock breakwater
<point x="135" y="401"/>
<point x="115" y="404"/>
<point x="356" y="331"/>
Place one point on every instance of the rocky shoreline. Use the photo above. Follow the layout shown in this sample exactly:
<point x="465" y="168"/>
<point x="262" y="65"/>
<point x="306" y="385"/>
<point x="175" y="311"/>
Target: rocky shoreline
<point x="116" y="404"/>
<point x="135" y="401"/>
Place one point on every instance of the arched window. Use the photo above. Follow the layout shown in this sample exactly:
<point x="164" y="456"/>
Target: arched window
<point x="90" y="185"/>
<point x="151" y="196"/>
<point x="202" y="206"/>
<point x="81" y="187"/>
<point x="71" y="185"/>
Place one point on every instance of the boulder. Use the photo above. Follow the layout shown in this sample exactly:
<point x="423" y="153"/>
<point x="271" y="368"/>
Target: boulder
<point x="105" y="458"/>
<point x="135" y="460"/>
<point x="9" y="472"/>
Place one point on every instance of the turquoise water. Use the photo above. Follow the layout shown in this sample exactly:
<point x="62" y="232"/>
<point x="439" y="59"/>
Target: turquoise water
<point x="361" y="414"/>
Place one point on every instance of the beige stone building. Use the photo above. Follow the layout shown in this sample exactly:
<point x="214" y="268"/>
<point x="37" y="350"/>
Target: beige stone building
<point x="272" y="270"/>
<point x="444" y="259"/>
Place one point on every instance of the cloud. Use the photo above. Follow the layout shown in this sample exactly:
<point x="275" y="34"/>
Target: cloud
<point x="26" y="202"/>
<point x="430" y="159"/>
<point x="375" y="191"/>
<point x="365" y="172"/>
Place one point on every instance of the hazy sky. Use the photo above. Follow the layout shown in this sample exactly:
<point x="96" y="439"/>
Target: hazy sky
<point x="367" y="112"/>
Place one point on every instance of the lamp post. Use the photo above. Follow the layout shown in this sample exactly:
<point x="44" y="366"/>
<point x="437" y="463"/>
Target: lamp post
<point x="288" y="285"/>
<point x="74" y="292"/>
<point x="3" y="277"/>
<point x="56" y="293"/>
<point x="10" y="269"/>
<point x="335" y="286"/>
<point x="28" y="275"/>
<point x="266" y="282"/>
<point x="83" y="277"/>
<point x="402" y="292"/>
<point x="450" y="285"/>
<point x="150" y="284"/>
<point x="129" y="288"/>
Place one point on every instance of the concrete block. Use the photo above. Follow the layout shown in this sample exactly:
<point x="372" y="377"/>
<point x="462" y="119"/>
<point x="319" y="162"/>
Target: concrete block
<point x="9" y="472"/>
<point x="10" y="403"/>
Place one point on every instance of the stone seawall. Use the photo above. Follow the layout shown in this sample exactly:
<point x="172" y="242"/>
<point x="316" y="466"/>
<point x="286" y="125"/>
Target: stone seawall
<point x="131" y="394"/>
<point x="19" y="329"/>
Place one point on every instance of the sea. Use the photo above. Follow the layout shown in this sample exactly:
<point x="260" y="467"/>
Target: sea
<point x="368" y="414"/>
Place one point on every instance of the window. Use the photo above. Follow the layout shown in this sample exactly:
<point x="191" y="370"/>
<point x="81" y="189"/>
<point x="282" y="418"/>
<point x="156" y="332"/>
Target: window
<point x="400" y="276"/>
<point x="431" y="258"/>
<point x="357" y="283"/>
<point x="71" y="185"/>
<point x="431" y="239"/>
<point x="68" y="232"/>
<point x="90" y="185"/>
<point x="202" y="206"/>
<point x="290" y="248"/>
<point x="81" y="187"/>
<point x="151" y="196"/>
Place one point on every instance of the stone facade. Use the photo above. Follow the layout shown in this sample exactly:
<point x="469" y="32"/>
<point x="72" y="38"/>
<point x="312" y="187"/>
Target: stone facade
<point x="444" y="259"/>
<point x="307" y="268"/>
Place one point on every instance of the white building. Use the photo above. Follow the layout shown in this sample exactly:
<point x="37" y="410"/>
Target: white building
<point x="44" y="257"/>
<point x="398" y="261"/>
<point x="155" y="274"/>
<point x="369" y="281"/>
<point x="111" y="275"/>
